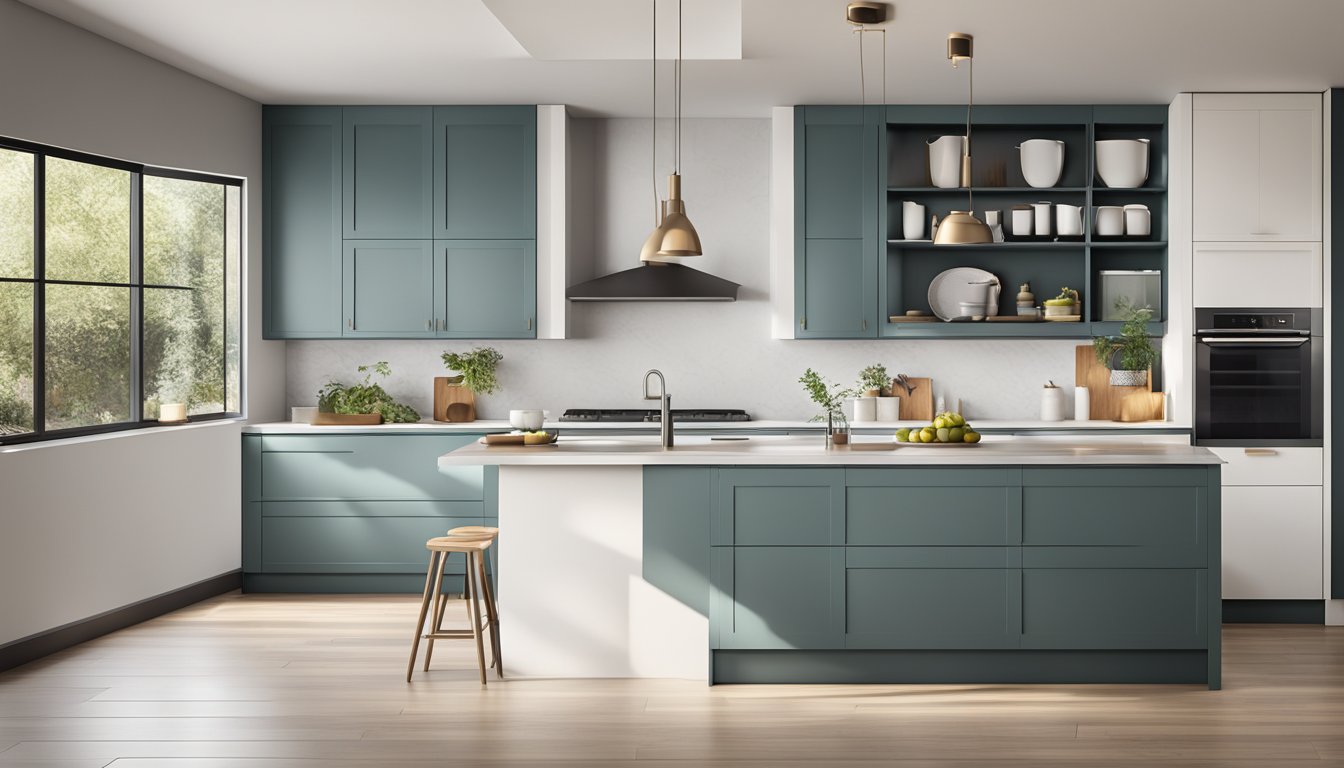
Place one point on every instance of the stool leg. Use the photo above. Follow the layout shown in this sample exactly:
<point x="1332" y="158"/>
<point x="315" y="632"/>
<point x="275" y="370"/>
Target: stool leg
<point x="473" y="613"/>
<point x="488" y="592"/>
<point x="424" y="609"/>
<point x="438" y="607"/>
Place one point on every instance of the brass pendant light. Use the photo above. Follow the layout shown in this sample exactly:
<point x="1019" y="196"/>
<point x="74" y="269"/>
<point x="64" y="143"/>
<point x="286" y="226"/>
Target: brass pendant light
<point x="962" y="227"/>
<point x="675" y="235"/>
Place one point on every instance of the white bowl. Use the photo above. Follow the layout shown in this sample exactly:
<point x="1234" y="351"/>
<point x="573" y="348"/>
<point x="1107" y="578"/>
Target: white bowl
<point x="971" y="309"/>
<point x="1123" y="162"/>
<point x="529" y="419"/>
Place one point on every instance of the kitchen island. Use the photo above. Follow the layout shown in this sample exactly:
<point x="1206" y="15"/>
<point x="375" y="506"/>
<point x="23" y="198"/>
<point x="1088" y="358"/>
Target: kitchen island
<point x="778" y="559"/>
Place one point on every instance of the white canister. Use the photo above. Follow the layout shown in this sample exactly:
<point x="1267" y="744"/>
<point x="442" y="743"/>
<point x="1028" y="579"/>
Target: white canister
<point x="945" y="153"/>
<point x="865" y="409"/>
<point x="1023" y="217"/>
<point x="1138" y="220"/>
<point x="994" y="220"/>
<point x="888" y="409"/>
<point x="1042" y="161"/>
<point x="1043" y="217"/>
<point x="912" y="220"/>
<point x="1068" y="219"/>
<point x="1110" y="221"/>
<point x="1052" y="403"/>
<point x="1082" y="404"/>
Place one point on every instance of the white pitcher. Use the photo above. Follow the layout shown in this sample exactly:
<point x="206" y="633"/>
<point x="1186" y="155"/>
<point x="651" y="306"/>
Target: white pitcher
<point x="1068" y="219"/>
<point x="1042" y="161"/>
<point x="912" y="220"/>
<point x="945" y="153"/>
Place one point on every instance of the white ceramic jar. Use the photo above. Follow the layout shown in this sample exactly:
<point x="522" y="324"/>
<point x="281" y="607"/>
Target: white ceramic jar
<point x="888" y="409"/>
<point x="1122" y="162"/>
<point x="1138" y="220"/>
<point x="865" y="409"/>
<point x="912" y="220"/>
<point x="945" y="153"/>
<point x="1052" y="403"/>
<point x="1110" y="220"/>
<point x="1042" y="162"/>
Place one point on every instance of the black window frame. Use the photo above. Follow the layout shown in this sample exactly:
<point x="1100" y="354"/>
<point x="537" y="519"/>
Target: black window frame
<point x="135" y="284"/>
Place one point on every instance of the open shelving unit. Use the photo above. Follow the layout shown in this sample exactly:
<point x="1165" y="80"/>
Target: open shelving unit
<point x="905" y="268"/>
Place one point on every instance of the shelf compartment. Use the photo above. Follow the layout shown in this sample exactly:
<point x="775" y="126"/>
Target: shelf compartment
<point x="910" y="271"/>
<point x="994" y="146"/>
<point x="986" y="190"/>
<point x="1022" y="245"/>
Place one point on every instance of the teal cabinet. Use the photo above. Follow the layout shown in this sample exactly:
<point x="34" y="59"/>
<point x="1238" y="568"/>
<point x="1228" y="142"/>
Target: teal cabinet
<point x="387" y="172"/>
<point x="388" y="288"/>
<point x="352" y="512"/>
<point x="485" y="289"/>
<point x="301" y="222"/>
<point x="779" y="507"/>
<point x="778" y="597"/>
<point x="485" y="180"/>
<point x="833" y="292"/>
<point x="1116" y="608"/>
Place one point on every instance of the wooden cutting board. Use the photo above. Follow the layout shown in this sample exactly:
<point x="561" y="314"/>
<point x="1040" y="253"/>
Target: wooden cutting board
<point x="917" y="405"/>
<point x="1111" y="403"/>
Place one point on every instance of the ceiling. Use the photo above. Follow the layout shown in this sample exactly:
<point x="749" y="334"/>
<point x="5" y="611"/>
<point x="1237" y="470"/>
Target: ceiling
<point x="741" y="61"/>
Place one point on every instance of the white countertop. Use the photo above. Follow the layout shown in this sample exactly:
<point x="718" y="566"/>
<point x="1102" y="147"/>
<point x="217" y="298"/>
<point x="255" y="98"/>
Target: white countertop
<point x="810" y="450"/>
<point x="983" y="425"/>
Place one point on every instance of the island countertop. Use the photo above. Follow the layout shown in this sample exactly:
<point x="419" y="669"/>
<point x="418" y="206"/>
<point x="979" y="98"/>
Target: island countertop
<point x="811" y="451"/>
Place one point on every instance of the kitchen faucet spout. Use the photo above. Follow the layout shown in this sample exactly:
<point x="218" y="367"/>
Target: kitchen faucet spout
<point x="665" y="410"/>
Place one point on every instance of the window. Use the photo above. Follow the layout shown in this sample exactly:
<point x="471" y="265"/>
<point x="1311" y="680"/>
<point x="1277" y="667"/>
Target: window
<point x="119" y="293"/>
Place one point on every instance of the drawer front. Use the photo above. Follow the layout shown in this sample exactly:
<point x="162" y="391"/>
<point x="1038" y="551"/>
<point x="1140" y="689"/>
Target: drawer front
<point x="1114" y="608"/>
<point x="366" y="467"/>
<point x="1108" y="526"/>
<point x="1273" y="543"/>
<point x="1272" y="466"/>
<point x="377" y="508"/>
<point x="944" y="608"/>
<point x="353" y="544"/>
<point x="1257" y="274"/>
<point x="777" y="597"/>
<point x="779" y="507"/>
<point x="932" y="516"/>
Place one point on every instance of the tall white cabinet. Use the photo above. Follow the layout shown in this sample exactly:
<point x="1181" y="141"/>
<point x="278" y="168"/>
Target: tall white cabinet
<point x="1257" y="205"/>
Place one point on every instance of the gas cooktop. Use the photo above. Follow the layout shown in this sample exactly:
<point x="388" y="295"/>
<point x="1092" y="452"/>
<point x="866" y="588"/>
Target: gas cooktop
<point x="639" y="414"/>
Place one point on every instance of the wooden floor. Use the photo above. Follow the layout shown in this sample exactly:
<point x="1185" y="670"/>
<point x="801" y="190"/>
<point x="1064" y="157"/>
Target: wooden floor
<point x="267" y="681"/>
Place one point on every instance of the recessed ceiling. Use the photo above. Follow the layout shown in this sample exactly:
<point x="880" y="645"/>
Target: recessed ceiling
<point x="792" y="51"/>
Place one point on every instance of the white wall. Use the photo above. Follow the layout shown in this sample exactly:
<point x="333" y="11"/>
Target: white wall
<point x="95" y="525"/>
<point x="714" y="355"/>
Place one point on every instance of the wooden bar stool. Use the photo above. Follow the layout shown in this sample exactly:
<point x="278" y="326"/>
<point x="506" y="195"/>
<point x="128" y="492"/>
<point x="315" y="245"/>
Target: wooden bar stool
<point x="474" y="548"/>
<point x="481" y="532"/>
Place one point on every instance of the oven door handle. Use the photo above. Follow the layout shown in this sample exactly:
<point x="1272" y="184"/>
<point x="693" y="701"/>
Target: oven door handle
<point x="1263" y="341"/>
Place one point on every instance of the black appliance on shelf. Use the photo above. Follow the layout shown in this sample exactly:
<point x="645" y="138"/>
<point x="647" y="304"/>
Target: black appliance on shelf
<point x="652" y="415"/>
<point x="1259" y="377"/>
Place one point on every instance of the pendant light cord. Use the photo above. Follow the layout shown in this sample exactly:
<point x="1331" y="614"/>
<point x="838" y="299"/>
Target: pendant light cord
<point x="970" y="100"/>
<point x="653" y="129"/>
<point x="863" y="84"/>
<point x="677" y="163"/>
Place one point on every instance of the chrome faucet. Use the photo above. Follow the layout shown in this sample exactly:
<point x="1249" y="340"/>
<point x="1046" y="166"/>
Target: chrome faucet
<point x="665" y="413"/>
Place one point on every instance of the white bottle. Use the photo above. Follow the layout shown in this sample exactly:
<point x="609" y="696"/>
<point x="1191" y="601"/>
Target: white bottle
<point x="1052" y="403"/>
<point x="1082" y="404"/>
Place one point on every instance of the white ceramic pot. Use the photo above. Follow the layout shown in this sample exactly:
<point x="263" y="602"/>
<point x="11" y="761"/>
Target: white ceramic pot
<point x="1138" y="220"/>
<point x="865" y="409"/>
<point x="1122" y="162"/>
<point x="912" y="220"/>
<point x="1042" y="162"/>
<point x="1068" y="219"/>
<point x="1110" y="220"/>
<point x="1043" y="217"/>
<point x="888" y="409"/>
<point x="1052" y="404"/>
<point x="1023" y="217"/>
<point x="528" y="419"/>
<point x="971" y="309"/>
<point x="945" y="153"/>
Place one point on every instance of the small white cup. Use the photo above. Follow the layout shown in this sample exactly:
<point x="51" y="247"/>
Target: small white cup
<point x="1022" y="221"/>
<point x="912" y="220"/>
<point x="527" y="419"/>
<point x="1138" y="220"/>
<point x="1110" y="220"/>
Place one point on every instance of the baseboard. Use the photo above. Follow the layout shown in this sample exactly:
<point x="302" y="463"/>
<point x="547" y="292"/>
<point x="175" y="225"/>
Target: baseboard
<point x="1273" y="611"/>
<point x="26" y="649"/>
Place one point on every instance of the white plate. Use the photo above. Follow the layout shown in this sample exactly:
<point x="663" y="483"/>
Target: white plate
<point x="952" y="287"/>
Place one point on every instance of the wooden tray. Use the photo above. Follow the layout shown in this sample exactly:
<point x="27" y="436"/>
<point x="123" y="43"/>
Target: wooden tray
<point x="910" y="319"/>
<point x="346" y="419"/>
<point x="1014" y="318"/>
<point x="508" y="439"/>
<point x="1062" y="318"/>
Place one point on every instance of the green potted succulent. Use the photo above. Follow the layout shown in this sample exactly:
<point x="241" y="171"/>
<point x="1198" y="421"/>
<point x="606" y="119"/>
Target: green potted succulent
<point x="1130" y="355"/>
<point x="830" y="397"/>
<point x="362" y="403"/>
<point x="455" y="396"/>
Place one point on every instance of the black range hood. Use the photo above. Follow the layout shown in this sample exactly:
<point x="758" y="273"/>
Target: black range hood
<point x="656" y="282"/>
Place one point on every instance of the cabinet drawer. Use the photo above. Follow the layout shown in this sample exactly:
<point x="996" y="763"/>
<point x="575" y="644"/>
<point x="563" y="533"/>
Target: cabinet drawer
<point x="366" y="467"/>
<point x="772" y="507"/>
<point x="353" y="544"/>
<point x="1130" y="526"/>
<point x="1272" y="466"/>
<point x="777" y="597"/>
<point x="944" y="608"/>
<point x="1114" y="608"/>
<point x="931" y="516"/>
<point x="1273" y="543"/>
<point x="1257" y="274"/>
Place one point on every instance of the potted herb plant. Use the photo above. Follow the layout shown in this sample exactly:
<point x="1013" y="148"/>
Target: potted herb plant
<point x="1130" y="355"/>
<point x="830" y="397"/>
<point x="874" y="381"/>
<point x="362" y="403"/>
<point x="455" y="396"/>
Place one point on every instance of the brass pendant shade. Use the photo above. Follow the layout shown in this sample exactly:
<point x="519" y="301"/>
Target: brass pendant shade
<point x="675" y="235"/>
<point x="961" y="228"/>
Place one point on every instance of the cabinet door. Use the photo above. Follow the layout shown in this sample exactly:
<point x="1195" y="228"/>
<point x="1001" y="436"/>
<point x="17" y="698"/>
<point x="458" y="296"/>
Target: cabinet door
<point x="779" y="507"/>
<point x="778" y="598"/>
<point x="1272" y="542"/>
<point x="485" y="173"/>
<point x="833" y="170"/>
<point x="1258" y="275"/>
<point x="486" y="289"/>
<point x="1114" y="608"/>
<point x="835" y="300"/>
<point x="389" y="288"/>
<point x="387" y="170"/>
<point x="1257" y="167"/>
<point x="301" y="222"/>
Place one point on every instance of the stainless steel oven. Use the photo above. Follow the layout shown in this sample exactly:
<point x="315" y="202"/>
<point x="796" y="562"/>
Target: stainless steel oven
<point x="1258" y="377"/>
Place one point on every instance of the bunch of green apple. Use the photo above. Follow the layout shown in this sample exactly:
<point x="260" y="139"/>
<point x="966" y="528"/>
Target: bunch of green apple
<point x="946" y="428"/>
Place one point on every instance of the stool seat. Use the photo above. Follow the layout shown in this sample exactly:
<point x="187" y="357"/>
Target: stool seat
<point x="457" y="544"/>
<point x="466" y="529"/>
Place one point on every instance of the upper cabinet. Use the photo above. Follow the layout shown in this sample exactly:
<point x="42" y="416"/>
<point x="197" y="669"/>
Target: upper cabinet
<point x="485" y="181"/>
<point x="400" y="222"/>
<point x="387" y="173"/>
<point x="1257" y="167"/>
<point x="301" y="222"/>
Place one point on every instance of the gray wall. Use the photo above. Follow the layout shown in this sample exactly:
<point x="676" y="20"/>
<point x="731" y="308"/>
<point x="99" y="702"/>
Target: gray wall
<point x="94" y="524"/>
<point x="714" y="355"/>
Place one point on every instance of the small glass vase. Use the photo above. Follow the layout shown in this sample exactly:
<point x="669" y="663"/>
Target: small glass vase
<point x="837" y="430"/>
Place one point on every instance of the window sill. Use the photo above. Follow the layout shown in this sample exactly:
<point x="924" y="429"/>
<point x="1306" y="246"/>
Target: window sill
<point x="119" y="435"/>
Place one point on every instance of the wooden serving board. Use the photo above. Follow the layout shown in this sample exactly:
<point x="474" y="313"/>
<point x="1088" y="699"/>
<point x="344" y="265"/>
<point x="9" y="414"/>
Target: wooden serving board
<point x="510" y="439"/>
<point x="453" y="402"/>
<point x="1062" y="318"/>
<point x="1111" y="403"/>
<point x="1013" y="318"/>
<point x="918" y="405"/>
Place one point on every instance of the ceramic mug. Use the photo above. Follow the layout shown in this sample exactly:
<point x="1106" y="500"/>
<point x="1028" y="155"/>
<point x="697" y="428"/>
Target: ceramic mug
<point x="1042" y="217"/>
<point x="1068" y="219"/>
<point x="1138" y="220"/>
<point x="912" y="220"/>
<point x="527" y="419"/>
<point x="1110" y="220"/>
<point x="1023" y="217"/>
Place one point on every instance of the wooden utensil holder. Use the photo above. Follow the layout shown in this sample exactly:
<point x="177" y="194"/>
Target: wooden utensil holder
<point x="453" y="401"/>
